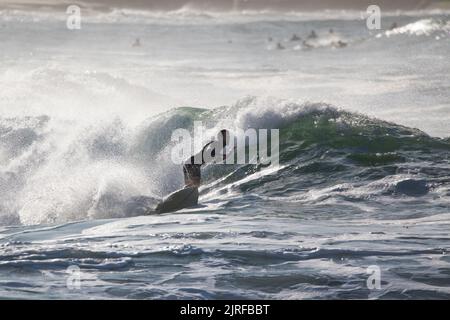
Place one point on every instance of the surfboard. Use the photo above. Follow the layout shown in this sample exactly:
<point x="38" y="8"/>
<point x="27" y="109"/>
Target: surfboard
<point x="184" y="198"/>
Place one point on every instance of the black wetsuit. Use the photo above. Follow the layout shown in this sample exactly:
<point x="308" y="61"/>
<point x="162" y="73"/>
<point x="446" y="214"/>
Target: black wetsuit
<point x="191" y="169"/>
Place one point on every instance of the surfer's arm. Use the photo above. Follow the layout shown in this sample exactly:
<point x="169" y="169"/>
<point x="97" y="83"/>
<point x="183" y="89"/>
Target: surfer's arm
<point x="211" y="152"/>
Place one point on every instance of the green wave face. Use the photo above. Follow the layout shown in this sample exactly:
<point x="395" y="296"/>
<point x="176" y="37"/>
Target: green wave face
<point x="324" y="152"/>
<point x="320" y="147"/>
<point x="364" y="140"/>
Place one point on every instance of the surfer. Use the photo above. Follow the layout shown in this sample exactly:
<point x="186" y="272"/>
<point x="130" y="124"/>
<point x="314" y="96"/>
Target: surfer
<point x="312" y="35"/>
<point x="295" y="37"/>
<point x="188" y="196"/>
<point x="280" y="46"/>
<point x="393" y="26"/>
<point x="137" y="43"/>
<point x="192" y="166"/>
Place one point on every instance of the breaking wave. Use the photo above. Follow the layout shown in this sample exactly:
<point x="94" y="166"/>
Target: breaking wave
<point x="54" y="171"/>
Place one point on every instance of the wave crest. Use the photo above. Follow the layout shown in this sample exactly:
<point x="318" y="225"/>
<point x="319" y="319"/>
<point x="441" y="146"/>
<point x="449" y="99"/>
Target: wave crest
<point x="55" y="171"/>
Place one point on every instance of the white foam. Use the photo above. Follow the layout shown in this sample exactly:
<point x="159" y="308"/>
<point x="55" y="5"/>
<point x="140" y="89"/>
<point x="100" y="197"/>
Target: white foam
<point x="423" y="27"/>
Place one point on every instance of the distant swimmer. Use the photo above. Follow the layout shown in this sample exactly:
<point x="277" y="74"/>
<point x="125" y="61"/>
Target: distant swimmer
<point x="307" y="45"/>
<point x="137" y="42"/>
<point x="393" y="26"/>
<point x="295" y="38"/>
<point x="339" y="44"/>
<point x="280" y="46"/>
<point x="312" y="35"/>
<point x="192" y="166"/>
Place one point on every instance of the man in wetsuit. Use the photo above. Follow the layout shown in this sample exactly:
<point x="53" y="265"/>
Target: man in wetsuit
<point x="192" y="166"/>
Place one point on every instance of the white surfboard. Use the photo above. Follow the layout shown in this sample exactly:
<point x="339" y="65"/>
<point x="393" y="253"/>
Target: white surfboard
<point x="184" y="198"/>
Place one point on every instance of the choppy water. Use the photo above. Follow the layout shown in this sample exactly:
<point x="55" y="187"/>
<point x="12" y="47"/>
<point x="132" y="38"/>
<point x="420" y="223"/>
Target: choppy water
<point x="85" y="126"/>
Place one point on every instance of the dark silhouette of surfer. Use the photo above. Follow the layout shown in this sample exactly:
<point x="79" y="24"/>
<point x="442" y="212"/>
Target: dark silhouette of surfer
<point x="312" y="35"/>
<point x="192" y="166"/>
<point x="393" y="26"/>
<point x="280" y="46"/>
<point x="188" y="196"/>
<point x="295" y="37"/>
<point x="137" y="43"/>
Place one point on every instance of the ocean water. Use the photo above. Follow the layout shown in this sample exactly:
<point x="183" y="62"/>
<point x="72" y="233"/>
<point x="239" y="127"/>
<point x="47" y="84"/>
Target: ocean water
<point x="363" y="184"/>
